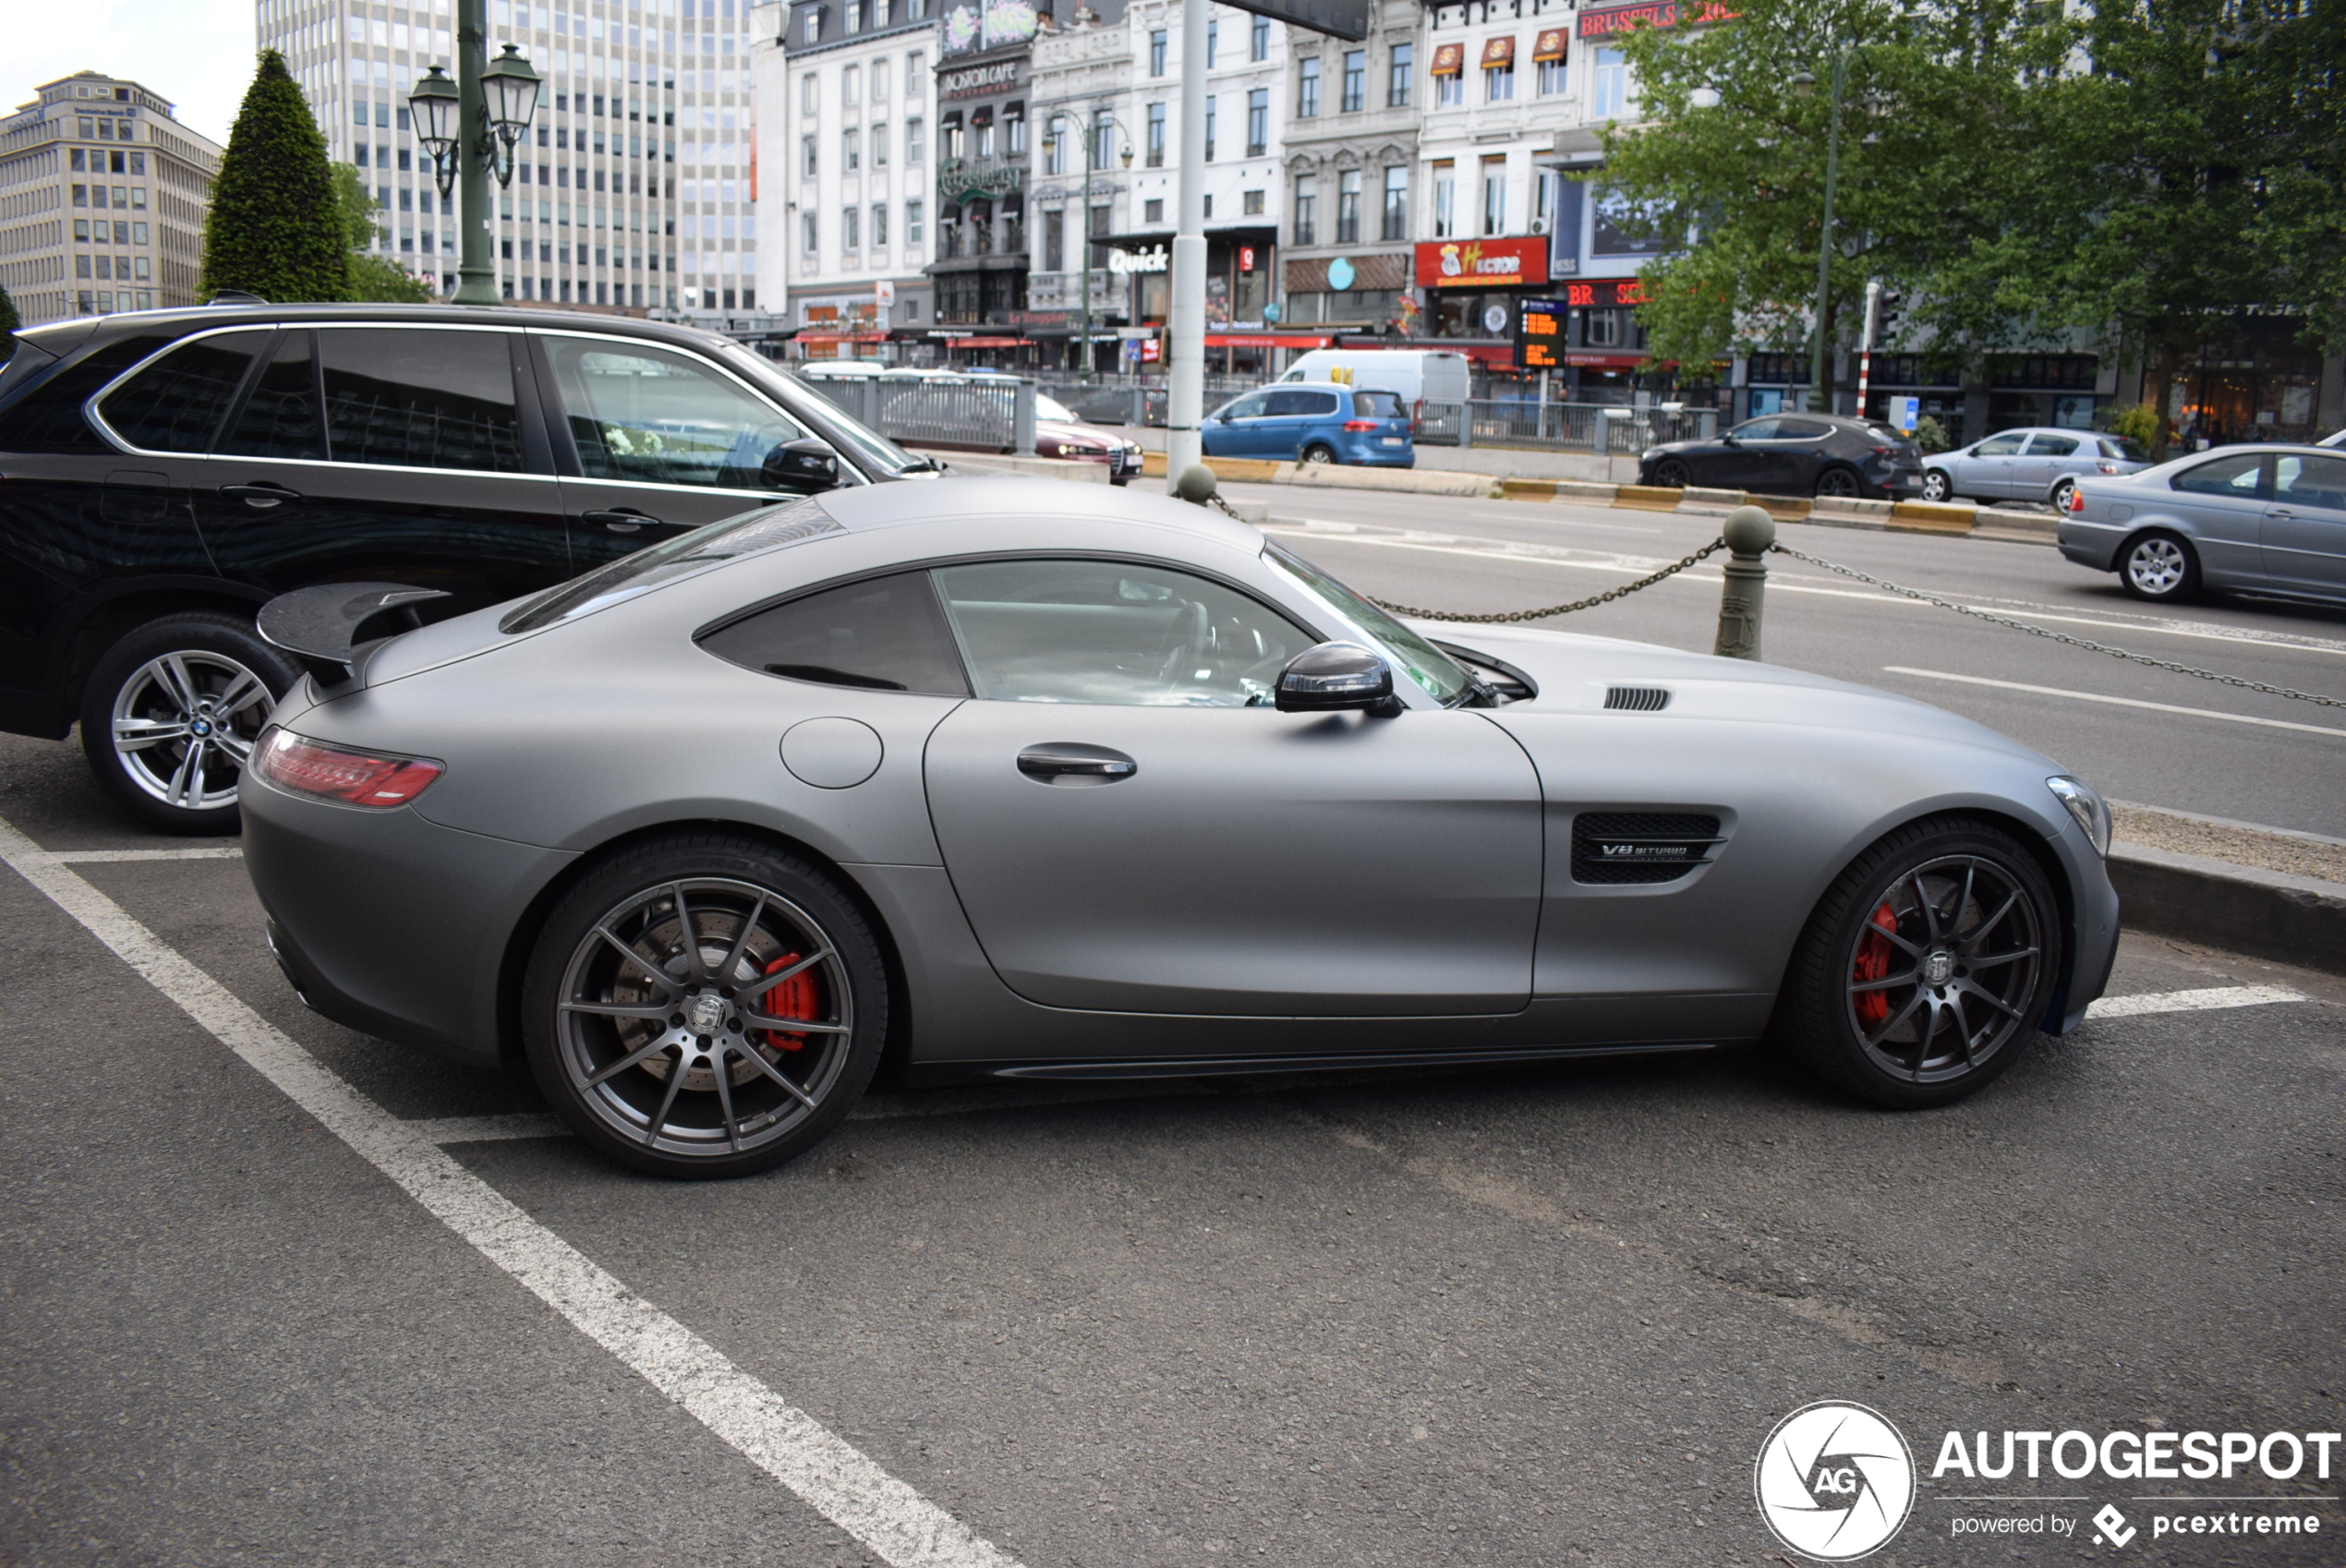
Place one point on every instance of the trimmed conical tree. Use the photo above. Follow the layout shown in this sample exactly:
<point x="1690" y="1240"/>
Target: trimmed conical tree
<point x="275" y="229"/>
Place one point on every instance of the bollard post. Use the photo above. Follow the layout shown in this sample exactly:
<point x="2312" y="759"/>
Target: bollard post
<point x="1749" y="532"/>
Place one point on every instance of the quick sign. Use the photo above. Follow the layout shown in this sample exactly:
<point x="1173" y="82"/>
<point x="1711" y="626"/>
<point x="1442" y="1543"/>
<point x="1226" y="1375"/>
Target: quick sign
<point x="1482" y="264"/>
<point x="1153" y="259"/>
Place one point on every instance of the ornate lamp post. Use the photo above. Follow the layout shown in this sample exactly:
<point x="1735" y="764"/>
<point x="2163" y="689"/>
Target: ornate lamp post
<point x="471" y="127"/>
<point x="1058" y="134"/>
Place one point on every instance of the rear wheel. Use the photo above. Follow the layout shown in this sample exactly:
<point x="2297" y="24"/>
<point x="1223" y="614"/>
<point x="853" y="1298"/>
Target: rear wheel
<point x="171" y="712"/>
<point x="1671" y="474"/>
<point x="1319" y="452"/>
<point x="2159" y="567"/>
<point x="1840" y="482"/>
<point x="2063" y="490"/>
<point x="1938" y="485"/>
<point x="1924" y="969"/>
<point x="704" y="1006"/>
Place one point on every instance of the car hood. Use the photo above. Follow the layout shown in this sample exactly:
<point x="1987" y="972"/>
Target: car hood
<point x="1078" y="435"/>
<point x="1575" y="673"/>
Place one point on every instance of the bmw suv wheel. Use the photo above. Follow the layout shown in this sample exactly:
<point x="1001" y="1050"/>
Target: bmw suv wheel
<point x="171" y="712"/>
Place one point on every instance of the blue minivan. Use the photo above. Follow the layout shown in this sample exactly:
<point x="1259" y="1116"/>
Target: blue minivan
<point x="1314" y="424"/>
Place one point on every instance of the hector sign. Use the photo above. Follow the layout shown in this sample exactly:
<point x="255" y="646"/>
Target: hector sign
<point x="1482" y="264"/>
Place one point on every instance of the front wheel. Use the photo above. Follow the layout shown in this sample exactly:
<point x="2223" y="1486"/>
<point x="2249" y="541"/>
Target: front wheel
<point x="171" y="712"/>
<point x="1837" y="482"/>
<point x="1938" y="485"/>
<point x="2159" y="567"/>
<point x="1924" y="969"/>
<point x="704" y="1006"/>
<point x="1671" y="474"/>
<point x="1319" y="455"/>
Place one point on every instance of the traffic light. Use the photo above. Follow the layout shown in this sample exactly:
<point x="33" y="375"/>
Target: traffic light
<point x="1886" y="319"/>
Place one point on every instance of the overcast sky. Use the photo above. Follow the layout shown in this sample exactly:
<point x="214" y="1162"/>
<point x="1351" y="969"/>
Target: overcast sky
<point x="196" y="53"/>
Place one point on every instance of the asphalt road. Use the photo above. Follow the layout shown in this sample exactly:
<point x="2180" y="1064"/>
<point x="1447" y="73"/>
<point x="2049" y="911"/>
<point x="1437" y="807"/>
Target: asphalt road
<point x="1482" y="556"/>
<point x="1532" y="1316"/>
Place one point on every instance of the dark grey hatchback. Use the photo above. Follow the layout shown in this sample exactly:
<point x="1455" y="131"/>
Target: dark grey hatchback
<point x="1792" y="455"/>
<point x="164" y="473"/>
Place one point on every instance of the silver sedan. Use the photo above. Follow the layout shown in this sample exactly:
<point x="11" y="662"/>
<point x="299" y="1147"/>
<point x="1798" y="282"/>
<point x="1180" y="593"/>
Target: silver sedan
<point x="2029" y="465"/>
<point x="2271" y="519"/>
<point x="1010" y="777"/>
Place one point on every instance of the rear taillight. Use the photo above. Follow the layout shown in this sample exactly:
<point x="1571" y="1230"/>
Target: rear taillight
<point x="1885" y="452"/>
<point x="2105" y="468"/>
<point x="330" y="773"/>
<point x="1361" y="424"/>
<point x="2076" y="499"/>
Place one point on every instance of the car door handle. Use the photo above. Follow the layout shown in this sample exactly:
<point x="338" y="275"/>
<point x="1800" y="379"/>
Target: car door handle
<point x="261" y="493"/>
<point x="2281" y="511"/>
<point x="625" y="521"/>
<point x="1072" y="762"/>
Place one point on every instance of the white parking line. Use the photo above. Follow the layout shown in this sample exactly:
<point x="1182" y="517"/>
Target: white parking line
<point x="888" y="1517"/>
<point x="2210" y="1000"/>
<point x="2114" y="702"/>
<point x="86" y="857"/>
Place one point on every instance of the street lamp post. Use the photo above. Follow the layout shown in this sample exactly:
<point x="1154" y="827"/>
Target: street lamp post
<point x="1084" y="242"/>
<point x="1805" y="85"/>
<point x="471" y="127"/>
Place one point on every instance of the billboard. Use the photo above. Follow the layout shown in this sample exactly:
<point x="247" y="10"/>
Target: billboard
<point x="1482" y="264"/>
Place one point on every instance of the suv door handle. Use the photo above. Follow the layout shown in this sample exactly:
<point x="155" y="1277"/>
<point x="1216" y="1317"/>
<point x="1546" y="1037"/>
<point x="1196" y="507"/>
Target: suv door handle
<point x="2281" y="511"/>
<point x="625" y="520"/>
<point x="261" y="493"/>
<point x="1072" y="762"/>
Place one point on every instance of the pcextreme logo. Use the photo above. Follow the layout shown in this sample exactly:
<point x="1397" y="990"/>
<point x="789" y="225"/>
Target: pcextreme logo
<point x="1834" y="1481"/>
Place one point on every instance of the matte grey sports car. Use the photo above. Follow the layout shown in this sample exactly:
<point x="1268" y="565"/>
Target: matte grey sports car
<point x="1020" y="778"/>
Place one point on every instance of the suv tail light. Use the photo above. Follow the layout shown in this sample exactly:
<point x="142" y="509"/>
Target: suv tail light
<point x="1362" y="424"/>
<point x="302" y="767"/>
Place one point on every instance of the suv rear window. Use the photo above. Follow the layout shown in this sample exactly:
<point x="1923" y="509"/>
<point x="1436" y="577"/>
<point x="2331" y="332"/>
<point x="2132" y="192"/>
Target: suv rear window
<point x="1377" y="406"/>
<point x="175" y="404"/>
<point x="47" y="417"/>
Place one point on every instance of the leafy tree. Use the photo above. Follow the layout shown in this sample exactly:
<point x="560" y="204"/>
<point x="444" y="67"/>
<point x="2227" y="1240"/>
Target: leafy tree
<point x="9" y="322"/>
<point x="274" y="228"/>
<point x="374" y="279"/>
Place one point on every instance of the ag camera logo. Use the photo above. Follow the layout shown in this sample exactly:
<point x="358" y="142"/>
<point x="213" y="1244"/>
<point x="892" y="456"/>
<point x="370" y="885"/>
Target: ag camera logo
<point x="1834" y="1481"/>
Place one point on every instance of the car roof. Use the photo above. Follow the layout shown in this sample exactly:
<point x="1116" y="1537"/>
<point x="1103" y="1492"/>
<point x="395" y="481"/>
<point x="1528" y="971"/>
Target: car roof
<point x="939" y="500"/>
<point x="200" y="318"/>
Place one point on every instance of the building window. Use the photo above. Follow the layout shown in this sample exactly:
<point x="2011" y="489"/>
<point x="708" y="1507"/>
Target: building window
<point x="1449" y="91"/>
<point x="1397" y="76"/>
<point x="1212" y="41"/>
<point x="1055" y="147"/>
<point x="809" y="160"/>
<point x="1307" y="209"/>
<point x="1153" y="209"/>
<point x="1156" y="136"/>
<point x="850" y="86"/>
<point x="1103" y="138"/>
<point x="880" y="79"/>
<point x="1251" y="203"/>
<point x="854" y="14"/>
<point x="1395" y="224"/>
<point x="1543" y="200"/>
<point x="851" y="150"/>
<point x="911" y="222"/>
<point x="809" y="234"/>
<point x="1610" y="98"/>
<point x="810" y="29"/>
<point x="1307" y="91"/>
<point x="915" y="73"/>
<point x="1209" y="127"/>
<point x="915" y="139"/>
<point x="1348" y="207"/>
<point x="1498" y="83"/>
<point x="1258" y="121"/>
<point x="1157" y="52"/>
<point x="850" y="231"/>
<point x="1356" y="80"/>
<point x="810" y="94"/>
<point x="1260" y="48"/>
<point x="879" y="226"/>
<point x="1054" y="240"/>
<point x="879" y="146"/>
<point x="1495" y="196"/>
<point x="1551" y="77"/>
<point x="1446" y="199"/>
<point x="1014" y="131"/>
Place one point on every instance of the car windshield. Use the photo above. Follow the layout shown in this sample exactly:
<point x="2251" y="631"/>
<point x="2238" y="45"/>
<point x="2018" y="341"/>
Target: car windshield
<point x="1412" y="654"/>
<point x="1052" y="409"/>
<point x="670" y="560"/>
<point x="1377" y="406"/>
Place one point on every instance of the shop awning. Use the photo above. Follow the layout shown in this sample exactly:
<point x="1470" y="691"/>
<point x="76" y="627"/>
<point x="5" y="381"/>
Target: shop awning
<point x="989" y="343"/>
<point x="1267" y="340"/>
<point x="1498" y="52"/>
<point x="1548" y="46"/>
<point x="1449" y="60"/>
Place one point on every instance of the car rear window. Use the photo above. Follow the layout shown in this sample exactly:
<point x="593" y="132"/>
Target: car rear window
<point x="751" y="533"/>
<point x="882" y="634"/>
<point x="1377" y="406"/>
<point x="47" y="417"/>
<point x="2123" y="448"/>
<point x="173" y="404"/>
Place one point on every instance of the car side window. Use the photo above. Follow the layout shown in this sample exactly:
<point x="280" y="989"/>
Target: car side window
<point x="649" y="414"/>
<point x="1758" y="429"/>
<point x="1296" y="405"/>
<point x="2310" y="482"/>
<point x="2052" y="446"/>
<point x="2240" y="475"/>
<point x="1109" y="632"/>
<point x="1377" y="406"/>
<point x="280" y="415"/>
<point x="883" y="635"/>
<point x="1998" y="446"/>
<point x="175" y="404"/>
<point x="402" y="398"/>
<point x="1801" y="429"/>
<point x="1248" y="407"/>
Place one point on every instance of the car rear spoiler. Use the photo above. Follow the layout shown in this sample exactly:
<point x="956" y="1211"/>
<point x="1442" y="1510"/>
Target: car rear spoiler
<point x="323" y="626"/>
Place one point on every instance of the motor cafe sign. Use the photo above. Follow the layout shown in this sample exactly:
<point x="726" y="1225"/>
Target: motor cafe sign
<point x="1482" y="264"/>
<point x="1610" y="19"/>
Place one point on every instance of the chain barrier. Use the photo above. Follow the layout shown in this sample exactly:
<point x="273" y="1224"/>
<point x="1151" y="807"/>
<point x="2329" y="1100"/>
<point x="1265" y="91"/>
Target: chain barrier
<point x="2064" y="637"/>
<point x="1670" y="571"/>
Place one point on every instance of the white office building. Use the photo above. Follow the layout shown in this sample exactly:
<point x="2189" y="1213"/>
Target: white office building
<point x="634" y="189"/>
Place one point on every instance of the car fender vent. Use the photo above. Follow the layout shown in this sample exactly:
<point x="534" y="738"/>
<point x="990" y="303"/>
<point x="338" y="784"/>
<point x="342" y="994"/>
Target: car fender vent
<point x="1618" y="847"/>
<point x="1637" y="699"/>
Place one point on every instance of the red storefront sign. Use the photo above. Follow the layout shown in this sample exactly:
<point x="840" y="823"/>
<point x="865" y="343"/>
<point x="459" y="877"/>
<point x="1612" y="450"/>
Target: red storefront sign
<point x="1482" y="264"/>
<point x="1265" y="340"/>
<point x="1611" y="20"/>
<point x="1598" y="293"/>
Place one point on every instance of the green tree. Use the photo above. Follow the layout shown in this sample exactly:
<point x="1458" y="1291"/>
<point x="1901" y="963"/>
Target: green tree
<point x="374" y="279"/>
<point x="274" y="229"/>
<point x="9" y="322"/>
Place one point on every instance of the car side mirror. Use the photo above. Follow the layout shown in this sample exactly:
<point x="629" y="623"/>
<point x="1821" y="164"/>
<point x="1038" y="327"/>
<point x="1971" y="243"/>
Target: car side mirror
<point x="1337" y="677"/>
<point x="803" y="465"/>
<point x="1729" y="440"/>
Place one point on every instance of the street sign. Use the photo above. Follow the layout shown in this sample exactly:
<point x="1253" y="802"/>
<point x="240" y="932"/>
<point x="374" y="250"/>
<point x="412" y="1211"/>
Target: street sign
<point x="1905" y="412"/>
<point x="1337" y="19"/>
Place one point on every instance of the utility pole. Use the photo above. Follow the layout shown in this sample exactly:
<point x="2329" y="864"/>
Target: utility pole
<point x="1185" y="396"/>
<point x="1865" y="341"/>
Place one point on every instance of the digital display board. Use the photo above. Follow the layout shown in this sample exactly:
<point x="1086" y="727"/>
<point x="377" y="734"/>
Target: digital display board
<point x="1539" y="334"/>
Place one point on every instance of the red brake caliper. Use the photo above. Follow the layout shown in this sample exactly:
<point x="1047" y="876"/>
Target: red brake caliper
<point x="1873" y="963"/>
<point x="794" y="999"/>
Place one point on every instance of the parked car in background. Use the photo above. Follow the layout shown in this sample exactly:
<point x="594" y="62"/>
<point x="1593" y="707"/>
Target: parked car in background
<point x="2266" y="518"/>
<point x="1792" y="454"/>
<point x="1059" y="432"/>
<point x="164" y="474"/>
<point x="1420" y="375"/>
<point x="2029" y="464"/>
<point x="1314" y="424"/>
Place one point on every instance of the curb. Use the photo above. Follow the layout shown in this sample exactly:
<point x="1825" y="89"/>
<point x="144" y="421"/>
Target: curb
<point x="2266" y="914"/>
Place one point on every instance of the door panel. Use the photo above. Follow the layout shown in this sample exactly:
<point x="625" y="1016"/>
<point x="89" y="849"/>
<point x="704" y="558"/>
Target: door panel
<point x="1987" y="470"/>
<point x="2223" y="503"/>
<point x="1251" y="862"/>
<point x="2304" y="529"/>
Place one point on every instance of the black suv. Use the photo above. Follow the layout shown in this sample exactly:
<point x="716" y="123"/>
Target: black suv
<point x="164" y="473"/>
<point x="1792" y="455"/>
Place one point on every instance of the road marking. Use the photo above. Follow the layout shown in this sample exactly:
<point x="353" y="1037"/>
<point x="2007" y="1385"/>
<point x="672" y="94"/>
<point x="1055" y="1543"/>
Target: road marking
<point x="896" y="1523"/>
<point x="2114" y="702"/>
<point x="84" y="857"/>
<point x="2211" y="1000"/>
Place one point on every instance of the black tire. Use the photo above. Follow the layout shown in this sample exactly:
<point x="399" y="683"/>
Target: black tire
<point x="2063" y="487"/>
<point x="1318" y="452"/>
<point x="2160" y="567"/>
<point x="1840" y="481"/>
<point x="690" y="1085"/>
<point x="1925" y="905"/>
<point x="1671" y="474"/>
<point x="171" y="712"/>
<point x="1938" y="485"/>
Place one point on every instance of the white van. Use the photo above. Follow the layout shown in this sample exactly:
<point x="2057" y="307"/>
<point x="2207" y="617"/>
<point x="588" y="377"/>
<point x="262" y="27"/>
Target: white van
<point x="1420" y="375"/>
